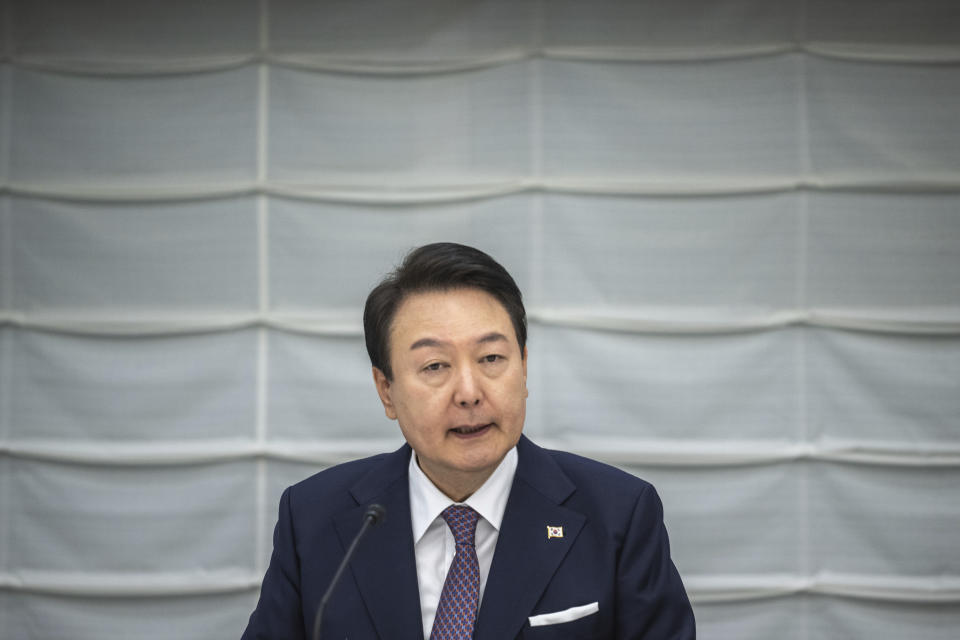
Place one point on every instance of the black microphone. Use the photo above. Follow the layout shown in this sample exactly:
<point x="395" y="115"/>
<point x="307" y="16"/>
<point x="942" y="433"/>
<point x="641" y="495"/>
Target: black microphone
<point x="372" y="516"/>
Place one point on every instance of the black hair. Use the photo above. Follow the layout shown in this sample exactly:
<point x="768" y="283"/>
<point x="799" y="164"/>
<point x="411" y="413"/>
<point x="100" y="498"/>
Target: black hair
<point x="440" y="266"/>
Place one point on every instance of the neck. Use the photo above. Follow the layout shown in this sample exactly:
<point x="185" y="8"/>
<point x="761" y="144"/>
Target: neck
<point x="457" y="486"/>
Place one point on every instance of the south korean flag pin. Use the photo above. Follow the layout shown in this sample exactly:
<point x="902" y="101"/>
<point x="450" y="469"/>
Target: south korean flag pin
<point x="554" y="532"/>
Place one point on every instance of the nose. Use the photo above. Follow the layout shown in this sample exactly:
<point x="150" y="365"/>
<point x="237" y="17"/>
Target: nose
<point x="467" y="392"/>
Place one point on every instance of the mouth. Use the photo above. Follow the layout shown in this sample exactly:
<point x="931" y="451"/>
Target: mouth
<point x="471" y="430"/>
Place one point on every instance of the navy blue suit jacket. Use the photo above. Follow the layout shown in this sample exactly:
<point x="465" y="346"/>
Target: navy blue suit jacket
<point x="614" y="551"/>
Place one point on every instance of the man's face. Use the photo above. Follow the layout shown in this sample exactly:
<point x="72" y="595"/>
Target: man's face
<point x="459" y="384"/>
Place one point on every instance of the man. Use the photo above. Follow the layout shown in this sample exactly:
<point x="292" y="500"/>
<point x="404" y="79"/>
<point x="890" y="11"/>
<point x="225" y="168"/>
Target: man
<point x="487" y="536"/>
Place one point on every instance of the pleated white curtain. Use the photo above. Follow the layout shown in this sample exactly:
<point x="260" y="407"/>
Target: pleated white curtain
<point x="736" y="224"/>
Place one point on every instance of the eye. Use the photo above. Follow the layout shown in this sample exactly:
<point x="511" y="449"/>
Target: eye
<point x="433" y="367"/>
<point x="493" y="357"/>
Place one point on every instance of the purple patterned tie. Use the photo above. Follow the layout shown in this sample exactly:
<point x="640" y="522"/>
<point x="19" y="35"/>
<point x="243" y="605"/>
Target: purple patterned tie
<point x="461" y="590"/>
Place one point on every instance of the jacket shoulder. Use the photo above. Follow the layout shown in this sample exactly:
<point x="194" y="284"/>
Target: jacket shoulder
<point x="591" y="471"/>
<point x="602" y="485"/>
<point x="331" y="487"/>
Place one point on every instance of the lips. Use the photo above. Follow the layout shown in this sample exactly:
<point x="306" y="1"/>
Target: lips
<point x="470" y="429"/>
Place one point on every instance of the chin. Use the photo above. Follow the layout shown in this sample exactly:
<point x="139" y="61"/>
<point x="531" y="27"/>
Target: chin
<point x="481" y="462"/>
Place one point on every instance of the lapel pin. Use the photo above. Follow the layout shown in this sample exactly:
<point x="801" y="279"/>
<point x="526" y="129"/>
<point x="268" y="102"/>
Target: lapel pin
<point x="554" y="532"/>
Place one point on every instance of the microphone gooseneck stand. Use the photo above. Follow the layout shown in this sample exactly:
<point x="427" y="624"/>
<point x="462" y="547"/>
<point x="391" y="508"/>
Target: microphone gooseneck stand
<point x="372" y="516"/>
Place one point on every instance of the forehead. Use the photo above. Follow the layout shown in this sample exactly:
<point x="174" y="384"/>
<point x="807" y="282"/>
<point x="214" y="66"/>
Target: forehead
<point x="448" y="314"/>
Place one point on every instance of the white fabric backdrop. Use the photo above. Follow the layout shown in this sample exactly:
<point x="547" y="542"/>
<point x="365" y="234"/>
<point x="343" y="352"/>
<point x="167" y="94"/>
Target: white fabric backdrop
<point x="736" y="224"/>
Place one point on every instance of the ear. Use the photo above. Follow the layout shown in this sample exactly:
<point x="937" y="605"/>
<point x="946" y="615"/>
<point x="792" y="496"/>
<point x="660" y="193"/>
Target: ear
<point x="383" y="390"/>
<point x="526" y="392"/>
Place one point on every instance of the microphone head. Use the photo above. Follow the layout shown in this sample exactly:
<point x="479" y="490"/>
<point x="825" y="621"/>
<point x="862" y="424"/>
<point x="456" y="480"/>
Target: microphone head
<point x="376" y="513"/>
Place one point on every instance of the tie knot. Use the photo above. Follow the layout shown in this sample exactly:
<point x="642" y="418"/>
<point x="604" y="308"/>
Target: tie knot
<point x="462" y="521"/>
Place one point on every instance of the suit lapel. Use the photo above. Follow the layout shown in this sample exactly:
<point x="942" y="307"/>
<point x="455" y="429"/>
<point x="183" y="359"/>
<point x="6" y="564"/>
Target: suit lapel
<point x="384" y="567"/>
<point x="526" y="558"/>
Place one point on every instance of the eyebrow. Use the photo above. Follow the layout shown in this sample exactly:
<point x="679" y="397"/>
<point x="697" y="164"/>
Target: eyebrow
<point x="493" y="336"/>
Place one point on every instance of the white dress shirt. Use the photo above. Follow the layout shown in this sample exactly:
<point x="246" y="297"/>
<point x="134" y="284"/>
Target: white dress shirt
<point x="433" y="541"/>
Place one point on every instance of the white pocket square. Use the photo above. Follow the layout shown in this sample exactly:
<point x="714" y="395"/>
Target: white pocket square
<point x="567" y="615"/>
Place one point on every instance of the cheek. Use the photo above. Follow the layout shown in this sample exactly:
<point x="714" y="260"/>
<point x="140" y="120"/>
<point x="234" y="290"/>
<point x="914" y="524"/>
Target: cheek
<point x="419" y="413"/>
<point x="516" y="399"/>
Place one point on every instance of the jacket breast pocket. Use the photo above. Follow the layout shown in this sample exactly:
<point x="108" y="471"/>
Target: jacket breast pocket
<point x="576" y="623"/>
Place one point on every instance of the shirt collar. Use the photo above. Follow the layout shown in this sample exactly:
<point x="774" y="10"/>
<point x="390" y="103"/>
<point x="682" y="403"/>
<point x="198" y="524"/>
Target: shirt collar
<point x="490" y="500"/>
